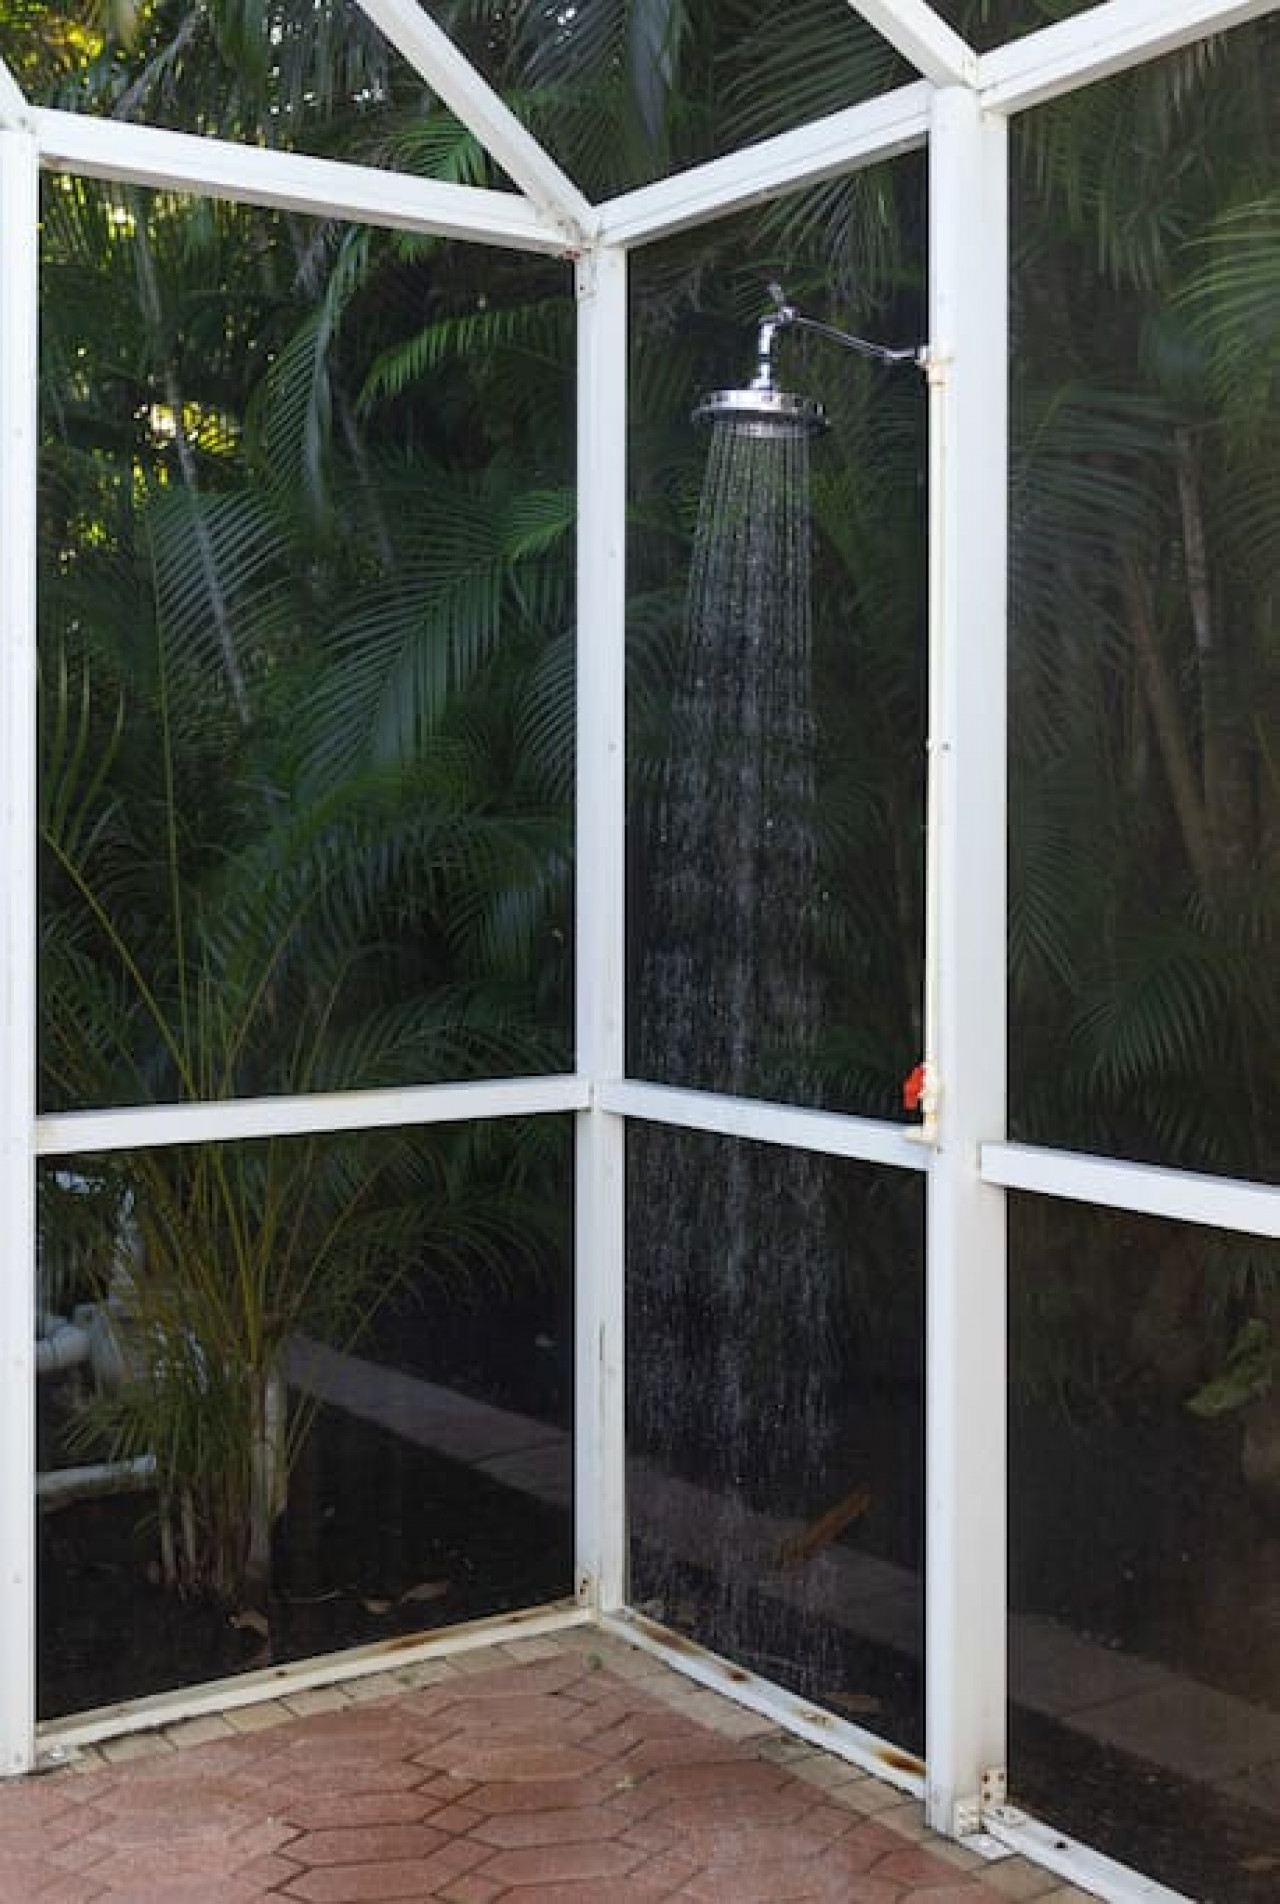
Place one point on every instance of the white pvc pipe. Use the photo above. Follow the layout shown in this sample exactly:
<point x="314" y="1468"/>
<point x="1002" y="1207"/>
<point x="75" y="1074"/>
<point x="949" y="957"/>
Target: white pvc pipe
<point x="60" y="1345"/>
<point x="937" y="741"/>
<point x="60" y="1487"/>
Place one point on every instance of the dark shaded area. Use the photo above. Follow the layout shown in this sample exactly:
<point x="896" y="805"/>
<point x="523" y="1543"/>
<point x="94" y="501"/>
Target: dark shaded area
<point x="1144" y="695"/>
<point x="1174" y="1831"/>
<point x="1132" y="1525"/>
<point x="1177" y="1831"/>
<point x="737" y="1497"/>
<point x="380" y="1539"/>
<point x="875" y="1686"/>
<point x="512" y="1348"/>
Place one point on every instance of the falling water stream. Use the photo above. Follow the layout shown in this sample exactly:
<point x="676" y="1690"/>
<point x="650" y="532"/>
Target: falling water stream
<point x="729" y="1324"/>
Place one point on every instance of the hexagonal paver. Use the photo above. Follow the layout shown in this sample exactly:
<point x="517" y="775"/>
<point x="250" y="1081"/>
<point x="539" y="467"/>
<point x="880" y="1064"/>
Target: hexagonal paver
<point x="545" y="1782"/>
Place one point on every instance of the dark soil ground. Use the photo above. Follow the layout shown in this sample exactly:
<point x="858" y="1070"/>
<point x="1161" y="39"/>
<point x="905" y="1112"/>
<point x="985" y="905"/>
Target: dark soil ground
<point x="380" y="1539"/>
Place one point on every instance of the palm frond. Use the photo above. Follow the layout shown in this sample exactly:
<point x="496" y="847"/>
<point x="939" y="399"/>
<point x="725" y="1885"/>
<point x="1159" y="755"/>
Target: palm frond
<point x="1231" y="303"/>
<point x="539" y="332"/>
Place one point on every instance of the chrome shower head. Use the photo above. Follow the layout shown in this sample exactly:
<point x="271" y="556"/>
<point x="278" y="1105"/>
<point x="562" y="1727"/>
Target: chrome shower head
<point x="760" y="411"/>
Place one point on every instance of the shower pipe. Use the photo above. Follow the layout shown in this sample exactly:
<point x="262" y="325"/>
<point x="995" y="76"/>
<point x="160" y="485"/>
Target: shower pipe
<point x="64" y="1343"/>
<point x="760" y="409"/>
<point x="785" y="316"/>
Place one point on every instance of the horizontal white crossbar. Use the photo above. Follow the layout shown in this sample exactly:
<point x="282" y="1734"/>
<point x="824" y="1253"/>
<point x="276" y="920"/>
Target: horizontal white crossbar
<point x="1099" y="42"/>
<point x="291" y="181"/>
<point x="830" y="1133"/>
<point x="1186" y="1196"/>
<point x="842" y="142"/>
<point x="62" y="1739"/>
<point x="152" y="1126"/>
<point x="1090" y="1870"/>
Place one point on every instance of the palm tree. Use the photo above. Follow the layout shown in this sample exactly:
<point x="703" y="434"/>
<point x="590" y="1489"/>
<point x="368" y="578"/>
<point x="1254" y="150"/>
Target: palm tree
<point x="305" y="809"/>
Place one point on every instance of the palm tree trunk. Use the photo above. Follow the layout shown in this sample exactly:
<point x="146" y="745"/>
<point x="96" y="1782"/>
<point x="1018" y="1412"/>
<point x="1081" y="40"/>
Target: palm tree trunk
<point x="1224" y="750"/>
<point x="268" y="1483"/>
<point x="154" y="313"/>
<point x="1170" y="727"/>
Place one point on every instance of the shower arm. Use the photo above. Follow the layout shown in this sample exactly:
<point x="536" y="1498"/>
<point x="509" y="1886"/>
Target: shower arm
<point x="787" y="317"/>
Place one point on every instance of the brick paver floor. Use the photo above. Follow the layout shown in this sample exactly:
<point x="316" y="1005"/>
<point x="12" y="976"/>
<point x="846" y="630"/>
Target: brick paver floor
<point x="563" y="1770"/>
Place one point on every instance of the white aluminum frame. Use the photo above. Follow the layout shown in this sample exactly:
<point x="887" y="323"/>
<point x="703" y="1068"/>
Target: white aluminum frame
<point x="1078" y="1863"/>
<point x="1098" y="43"/>
<point x="19" y="370"/>
<point x="14" y="114"/>
<point x="60" y="1739"/>
<point x="966" y="1614"/>
<point x="154" y="1126"/>
<point x="431" y="52"/>
<point x="292" y="182"/>
<point x="841" y="1737"/>
<point x="600" y="1537"/>
<point x="959" y="108"/>
<point x="1186" y="1196"/>
<point x="868" y="134"/>
<point x="828" y="1133"/>
<point x="935" y="49"/>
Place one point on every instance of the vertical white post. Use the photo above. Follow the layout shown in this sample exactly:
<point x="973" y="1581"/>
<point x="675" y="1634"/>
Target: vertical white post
<point x="599" y="1466"/>
<point x="19" y="303"/>
<point x="966" y="1441"/>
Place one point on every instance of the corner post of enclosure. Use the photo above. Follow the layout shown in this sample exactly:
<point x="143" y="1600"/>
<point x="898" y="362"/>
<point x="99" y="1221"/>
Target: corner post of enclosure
<point x="19" y="303"/>
<point x="599" y="1459"/>
<point x="966" y="1436"/>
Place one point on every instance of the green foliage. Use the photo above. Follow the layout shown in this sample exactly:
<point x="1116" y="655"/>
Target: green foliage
<point x="308" y="510"/>
<point x="304" y="785"/>
<point x="1247" y="1374"/>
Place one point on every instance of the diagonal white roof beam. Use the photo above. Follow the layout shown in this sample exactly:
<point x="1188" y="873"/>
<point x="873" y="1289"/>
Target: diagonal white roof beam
<point x="917" y="32"/>
<point x="13" y="104"/>
<point x="844" y="141"/>
<point x="1107" y="39"/>
<point x="448" y="72"/>
<point x="290" y="181"/>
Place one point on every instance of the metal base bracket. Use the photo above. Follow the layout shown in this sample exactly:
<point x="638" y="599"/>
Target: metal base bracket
<point x="970" y="1815"/>
<point x="967" y="1818"/>
<point x="55" y="1758"/>
<point x="984" y="1846"/>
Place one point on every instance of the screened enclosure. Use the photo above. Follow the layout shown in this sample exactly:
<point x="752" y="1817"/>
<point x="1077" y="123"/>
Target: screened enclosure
<point x="621" y="1016"/>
